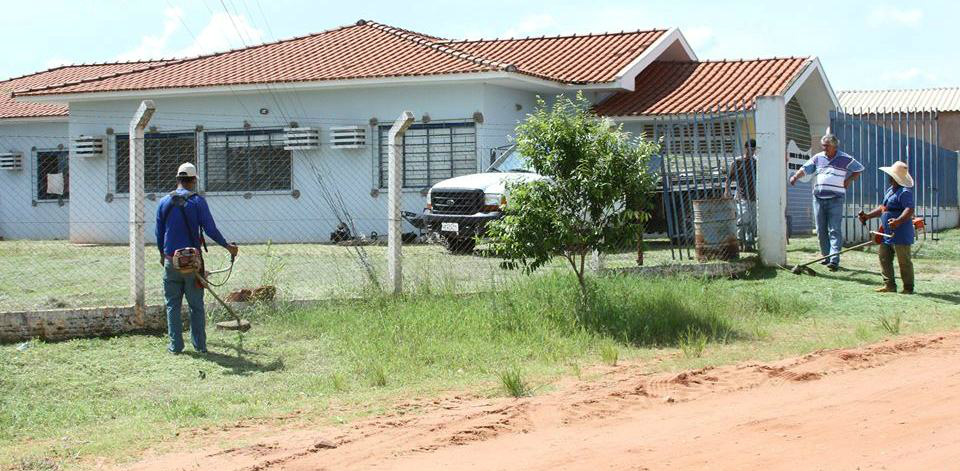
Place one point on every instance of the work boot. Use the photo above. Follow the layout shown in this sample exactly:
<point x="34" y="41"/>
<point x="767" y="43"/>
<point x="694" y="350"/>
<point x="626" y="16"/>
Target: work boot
<point x="886" y="289"/>
<point x="907" y="290"/>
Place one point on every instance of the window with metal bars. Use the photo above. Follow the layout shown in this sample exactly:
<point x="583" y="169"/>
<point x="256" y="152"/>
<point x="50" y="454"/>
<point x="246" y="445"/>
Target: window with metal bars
<point x="246" y="161"/>
<point x="695" y="138"/>
<point x="431" y="152"/>
<point x="50" y="163"/>
<point x="798" y="128"/>
<point x="163" y="153"/>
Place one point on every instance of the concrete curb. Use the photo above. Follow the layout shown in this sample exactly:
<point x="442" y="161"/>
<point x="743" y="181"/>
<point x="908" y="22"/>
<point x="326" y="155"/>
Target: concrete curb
<point x="71" y="323"/>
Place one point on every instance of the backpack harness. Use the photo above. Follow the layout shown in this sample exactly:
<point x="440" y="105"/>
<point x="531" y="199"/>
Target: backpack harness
<point x="188" y="259"/>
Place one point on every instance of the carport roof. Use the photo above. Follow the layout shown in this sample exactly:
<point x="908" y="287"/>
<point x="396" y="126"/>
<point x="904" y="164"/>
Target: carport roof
<point x="924" y="99"/>
<point x="686" y="87"/>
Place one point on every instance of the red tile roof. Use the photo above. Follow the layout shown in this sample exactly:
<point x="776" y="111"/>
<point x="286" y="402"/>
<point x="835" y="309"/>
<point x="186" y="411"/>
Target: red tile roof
<point x="372" y="50"/>
<point x="13" y="109"/>
<point x="569" y="59"/>
<point x="683" y="87"/>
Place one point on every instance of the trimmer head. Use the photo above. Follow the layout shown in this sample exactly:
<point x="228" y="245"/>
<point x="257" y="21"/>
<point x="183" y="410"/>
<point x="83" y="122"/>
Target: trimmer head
<point x="242" y="325"/>
<point x="803" y="269"/>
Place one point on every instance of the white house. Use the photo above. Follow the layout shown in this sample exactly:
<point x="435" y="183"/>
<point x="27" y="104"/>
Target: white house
<point x="34" y="143"/>
<point x="234" y="114"/>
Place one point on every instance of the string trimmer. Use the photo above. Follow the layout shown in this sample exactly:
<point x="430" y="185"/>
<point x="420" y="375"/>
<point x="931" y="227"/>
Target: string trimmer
<point x="237" y="323"/>
<point x="805" y="267"/>
<point x="187" y="260"/>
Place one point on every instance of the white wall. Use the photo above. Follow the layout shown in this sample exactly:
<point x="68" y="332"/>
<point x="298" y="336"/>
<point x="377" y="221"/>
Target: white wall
<point x="277" y="216"/>
<point x="503" y="109"/>
<point x="21" y="215"/>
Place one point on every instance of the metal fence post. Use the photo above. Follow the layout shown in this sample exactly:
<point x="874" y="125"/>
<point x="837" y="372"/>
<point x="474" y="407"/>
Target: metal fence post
<point x="395" y="183"/>
<point x="771" y="181"/>
<point x="137" y="125"/>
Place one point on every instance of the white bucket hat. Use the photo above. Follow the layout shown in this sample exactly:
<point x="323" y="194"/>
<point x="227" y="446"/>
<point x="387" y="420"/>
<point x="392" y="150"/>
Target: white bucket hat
<point x="187" y="170"/>
<point x="900" y="173"/>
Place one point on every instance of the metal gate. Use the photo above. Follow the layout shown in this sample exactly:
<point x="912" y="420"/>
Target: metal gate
<point x="699" y="160"/>
<point x="880" y="139"/>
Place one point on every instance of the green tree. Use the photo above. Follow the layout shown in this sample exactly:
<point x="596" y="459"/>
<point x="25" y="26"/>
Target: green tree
<point x="595" y="197"/>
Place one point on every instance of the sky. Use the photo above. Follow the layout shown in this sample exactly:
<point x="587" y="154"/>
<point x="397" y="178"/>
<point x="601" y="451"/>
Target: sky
<point x="862" y="44"/>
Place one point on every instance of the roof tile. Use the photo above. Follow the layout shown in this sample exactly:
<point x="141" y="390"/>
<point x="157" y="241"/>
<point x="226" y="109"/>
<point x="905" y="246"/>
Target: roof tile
<point x="570" y="59"/>
<point x="372" y="50"/>
<point x="684" y="87"/>
<point x="12" y="109"/>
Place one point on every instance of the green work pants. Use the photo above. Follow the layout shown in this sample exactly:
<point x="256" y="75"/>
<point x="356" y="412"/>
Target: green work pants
<point x="886" y="252"/>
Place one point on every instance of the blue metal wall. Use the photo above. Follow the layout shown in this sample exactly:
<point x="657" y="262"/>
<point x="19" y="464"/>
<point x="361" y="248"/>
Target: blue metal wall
<point x="879" y="139"/>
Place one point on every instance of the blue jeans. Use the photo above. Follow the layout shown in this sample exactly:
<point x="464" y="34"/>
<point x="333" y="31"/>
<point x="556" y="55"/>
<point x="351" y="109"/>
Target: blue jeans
<point x="176" y="285"/>
<point x="829" y="216"/>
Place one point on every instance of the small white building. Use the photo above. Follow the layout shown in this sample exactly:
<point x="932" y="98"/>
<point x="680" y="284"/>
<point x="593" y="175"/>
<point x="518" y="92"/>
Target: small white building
<point x="235" y="114"/>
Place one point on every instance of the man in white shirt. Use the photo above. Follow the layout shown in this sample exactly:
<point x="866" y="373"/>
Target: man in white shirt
<point x="834" y="171"/>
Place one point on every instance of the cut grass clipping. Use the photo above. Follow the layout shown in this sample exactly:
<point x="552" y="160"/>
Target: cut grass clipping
<point x="513" y="383"/>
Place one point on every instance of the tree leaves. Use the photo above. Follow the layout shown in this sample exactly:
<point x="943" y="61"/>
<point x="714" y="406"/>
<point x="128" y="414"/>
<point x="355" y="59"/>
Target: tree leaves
<point x="596" y="197"/>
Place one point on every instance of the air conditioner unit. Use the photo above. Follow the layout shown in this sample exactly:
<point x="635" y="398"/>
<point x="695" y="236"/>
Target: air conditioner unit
<point x="348" y="137"/>
<point x="11" y="161"/>
<point x="88" y="147"/>
<point x="301" y="138"/>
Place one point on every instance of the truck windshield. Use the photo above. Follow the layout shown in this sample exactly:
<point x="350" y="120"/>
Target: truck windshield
<point x="512" y="161"/>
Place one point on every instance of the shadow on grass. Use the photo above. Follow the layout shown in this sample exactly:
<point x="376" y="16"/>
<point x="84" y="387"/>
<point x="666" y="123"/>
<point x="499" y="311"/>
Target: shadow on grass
<point x="238" y="365"/>
<point x="805" y="250"/>
<point x="759" y="272"/>
<point x="657" y="318"/>
<point x="947" y="298"/>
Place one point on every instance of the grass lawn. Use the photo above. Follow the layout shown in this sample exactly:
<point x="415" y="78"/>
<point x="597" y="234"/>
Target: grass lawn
<point x="52" y="274"/>
<point x="62" y="404"/>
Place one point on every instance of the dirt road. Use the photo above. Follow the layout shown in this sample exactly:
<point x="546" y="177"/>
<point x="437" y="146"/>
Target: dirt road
<point x="890" y="406"/>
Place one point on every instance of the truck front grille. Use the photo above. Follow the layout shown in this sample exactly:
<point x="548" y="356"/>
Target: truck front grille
<point x="456" y="201"/>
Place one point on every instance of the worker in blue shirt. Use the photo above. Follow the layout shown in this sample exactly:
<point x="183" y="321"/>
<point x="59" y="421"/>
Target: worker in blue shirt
<point x="896" y="216"/>
<point x="182" y="218"/>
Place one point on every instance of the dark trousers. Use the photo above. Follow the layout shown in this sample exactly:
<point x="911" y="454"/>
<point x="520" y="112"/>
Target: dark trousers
<point x="902" y="252"/>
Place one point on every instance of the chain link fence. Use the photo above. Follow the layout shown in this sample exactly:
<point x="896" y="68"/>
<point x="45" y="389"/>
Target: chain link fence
<point x="307" y="199"/>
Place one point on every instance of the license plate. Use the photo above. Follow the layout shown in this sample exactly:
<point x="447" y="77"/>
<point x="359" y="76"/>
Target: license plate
<point x="449" y="227"/>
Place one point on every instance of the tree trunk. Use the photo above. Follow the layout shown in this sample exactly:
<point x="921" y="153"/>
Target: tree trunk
<point x="640" y="249"/>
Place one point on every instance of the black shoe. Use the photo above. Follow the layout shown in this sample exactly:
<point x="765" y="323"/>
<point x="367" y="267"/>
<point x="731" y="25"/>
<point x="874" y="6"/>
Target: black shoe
<point x="833" y="266"/>
<point x="824" y="262"/>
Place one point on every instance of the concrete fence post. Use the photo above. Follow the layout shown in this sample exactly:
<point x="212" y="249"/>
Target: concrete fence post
<point x="136" y="218"/>
<point x="394" y="200"/>
<point x="771" y="180"/>
<point x="598" y="262"/>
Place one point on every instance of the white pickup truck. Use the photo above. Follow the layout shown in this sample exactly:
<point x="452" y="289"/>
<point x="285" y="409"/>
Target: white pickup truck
<point x="459" y="208"/>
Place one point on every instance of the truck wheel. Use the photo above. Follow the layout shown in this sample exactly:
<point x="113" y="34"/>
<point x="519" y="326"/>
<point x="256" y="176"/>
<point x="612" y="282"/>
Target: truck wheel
<point x="458" y="246"/>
